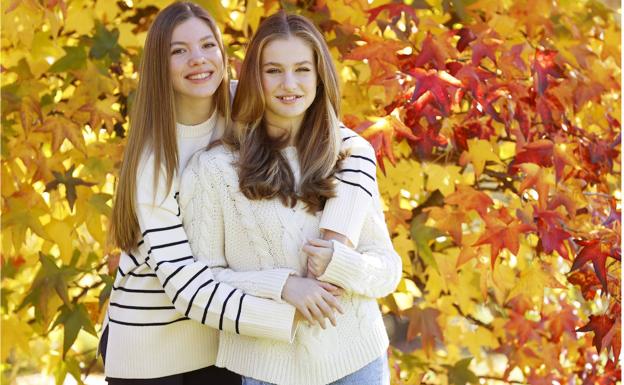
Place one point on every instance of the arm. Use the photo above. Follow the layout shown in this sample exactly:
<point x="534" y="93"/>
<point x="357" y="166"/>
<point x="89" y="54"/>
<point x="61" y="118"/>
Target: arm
<point x="344" y="214"/>
<point x="190" y="284"/>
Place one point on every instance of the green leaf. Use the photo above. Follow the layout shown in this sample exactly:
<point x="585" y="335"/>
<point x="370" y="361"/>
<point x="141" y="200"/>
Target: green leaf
<point x="75" y="58"/>
<point x="423" y="236"/>
<point x="459" y="374"/>
<point x="105" y="43"/>
<point x="73" y="320"/>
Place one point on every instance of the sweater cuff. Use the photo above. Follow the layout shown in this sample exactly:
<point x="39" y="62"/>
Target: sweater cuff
<point x="340" y="269"/>
<point x="268" y="319"/>
<point x="346" y="216"/>
<point x="273" y="282"/>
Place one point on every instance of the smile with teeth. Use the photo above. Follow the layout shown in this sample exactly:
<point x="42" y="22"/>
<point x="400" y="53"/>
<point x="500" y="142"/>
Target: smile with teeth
<point x="200" y="76"/>
<point x="289" y="98"/>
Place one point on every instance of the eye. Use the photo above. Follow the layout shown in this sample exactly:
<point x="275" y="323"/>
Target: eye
<point x="272" y="71"/>
<point x="177" y="51"/>
<point x="303" y="69"/>
<point x="209" y="45"/>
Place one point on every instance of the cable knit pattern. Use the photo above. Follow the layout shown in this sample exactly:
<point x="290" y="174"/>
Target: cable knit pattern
<point x="256" y="240"/>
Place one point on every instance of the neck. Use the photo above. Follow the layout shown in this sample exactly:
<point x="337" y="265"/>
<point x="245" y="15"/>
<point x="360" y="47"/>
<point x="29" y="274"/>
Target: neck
<point x="193" y="111"/>
<point x="278" y="126"/>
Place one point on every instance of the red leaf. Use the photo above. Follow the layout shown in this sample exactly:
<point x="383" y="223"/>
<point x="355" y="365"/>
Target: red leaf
<point x="551" y="233"/>
<point x="600" y="325"/>
<point x="465" y="37"/>
<point x="436" y="82"/>
<point x="544" y="65"/>
<point x="394" y="10"/>
<point x="425" y="323"/>
<point x="431" y="52"/>
<point x="539" y="152"/>
<point x="597" y="252"/>
<point x="467" y="198"/>
<point x="586" y="280"/>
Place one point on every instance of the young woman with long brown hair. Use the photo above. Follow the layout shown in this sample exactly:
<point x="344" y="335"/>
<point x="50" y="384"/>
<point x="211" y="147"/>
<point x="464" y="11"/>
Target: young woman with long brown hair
<point x="254" y="204"/>
<point x="164" y="296"/>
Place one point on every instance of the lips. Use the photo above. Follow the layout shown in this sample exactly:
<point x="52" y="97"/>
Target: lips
<point x="289" y="98"/>
<point x="199" y="75"/>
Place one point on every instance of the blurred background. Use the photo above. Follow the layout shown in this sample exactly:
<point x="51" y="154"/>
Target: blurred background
<point x="497" y="130"/>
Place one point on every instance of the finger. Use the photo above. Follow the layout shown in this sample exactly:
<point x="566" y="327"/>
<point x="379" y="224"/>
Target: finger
<point x="310" y="250"/>
<point x="304" y="312"/>
<point x="311" y="269"/>
<point x="327" y="310"/>
<point x="333" y="302"/>
<point x="320" y="243"/>
<point x="328" y="286"/>
<point x="317" y="313"/>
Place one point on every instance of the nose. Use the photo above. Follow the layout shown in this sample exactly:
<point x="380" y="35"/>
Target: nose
<point x="289" y="82"/>
<point x="197" y="58"/>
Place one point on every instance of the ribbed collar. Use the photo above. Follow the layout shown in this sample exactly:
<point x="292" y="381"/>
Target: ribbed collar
<point x="200" y="129"/>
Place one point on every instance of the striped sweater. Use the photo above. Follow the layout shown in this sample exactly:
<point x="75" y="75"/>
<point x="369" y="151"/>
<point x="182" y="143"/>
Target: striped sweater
<point x="164" y="297"/>
<point x="225" y="229"/>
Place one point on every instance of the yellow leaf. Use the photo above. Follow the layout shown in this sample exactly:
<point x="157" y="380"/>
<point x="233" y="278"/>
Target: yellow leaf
<point x="253" y="13"/>
<point x="94" y="225"/>
<point x="15" y="334"/>
<point x="79" y="18"/>
<point x="479" y="339"/>
<point x="443" y="178"/>
<point x="403" y="244"/>
<point x="479" y="152"/>
<point x="405" y="175"/>
<point x="61" y="233"/>
<point x="533" y="280"/>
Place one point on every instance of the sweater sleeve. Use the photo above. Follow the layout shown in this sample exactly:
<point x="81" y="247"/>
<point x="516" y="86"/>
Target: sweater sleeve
<point x="190" y="283"/>
<point x="373" y="268"/>
<point x="356" y="182"/>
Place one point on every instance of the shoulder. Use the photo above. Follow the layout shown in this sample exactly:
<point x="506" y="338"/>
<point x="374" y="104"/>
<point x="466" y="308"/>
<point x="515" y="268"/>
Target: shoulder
<point x="209" y="163"/>
<point x="354" y="144"/>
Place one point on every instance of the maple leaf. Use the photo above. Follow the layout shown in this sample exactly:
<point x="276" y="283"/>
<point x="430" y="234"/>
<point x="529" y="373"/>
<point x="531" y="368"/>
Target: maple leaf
<point x="502" y="231"/>
<point x="459" y="374"/>
<point x="479" y="152"/>
<point x="539" y="152"/>
<point x="544" y="65"/>
<point x="70" y="183"/>
<point x="551" y="233"/>
<point x="63" y="128"/>
<point x="564" y="321"/>
<point x="465" y="37"/>
<point x="470" y="130"/>
<point x="423" y="323"/>
<point x="585" y="278"/>
<point x="394" y="11"/>
<point x="467" y="198"/>
<point x="600" y="325"/>
<point x="596" y="251"/>
<point x="449" y="220"/>
<point x="432" y="52"/>
<point x="436" y="82"/>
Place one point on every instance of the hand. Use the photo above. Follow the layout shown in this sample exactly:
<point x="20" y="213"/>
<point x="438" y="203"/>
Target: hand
<point x="315" y="300"/>
<point x="319" y="255"/>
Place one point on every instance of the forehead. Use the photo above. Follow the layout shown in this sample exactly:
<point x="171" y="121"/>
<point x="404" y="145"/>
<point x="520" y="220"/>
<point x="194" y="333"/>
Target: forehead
<point x="191" y="30"/>
<point x="286" y="51"/>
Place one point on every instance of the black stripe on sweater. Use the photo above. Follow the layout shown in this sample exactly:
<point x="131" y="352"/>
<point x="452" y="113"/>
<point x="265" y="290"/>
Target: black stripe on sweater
<point x="141" y="242"/>
<point x="167" y="245"/>
<point x="349" y="137"/>
<point x="133" y="259"/>
<point x="363" y="157"/>
<point x="357" y="171"/>
<point x="142" y="275"/>
<point x="355" y="184"/>
<point x="148" y="323"/>
<point x="174" y="260"/>
<point x="121" y="288"/>
<point x="240" y="307"/>
<point x="142" y="307"/>
<point x="161" y="229"/>
<point x="188" y="310"/>
<point x="188" y="283"/>
<point x="172" y="275"/>
<point x="223" y="308"/>
<point x="209" y="302"/>
<point x="121" y="271"/>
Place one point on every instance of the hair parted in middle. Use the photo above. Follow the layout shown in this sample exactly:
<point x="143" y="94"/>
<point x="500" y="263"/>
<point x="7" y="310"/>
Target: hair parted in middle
<point x="263" y="170"/>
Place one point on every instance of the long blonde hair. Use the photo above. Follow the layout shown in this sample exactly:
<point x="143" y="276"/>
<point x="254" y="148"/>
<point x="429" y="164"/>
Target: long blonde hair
<point x="153" y="124"/>
<point x="263" y="170"/>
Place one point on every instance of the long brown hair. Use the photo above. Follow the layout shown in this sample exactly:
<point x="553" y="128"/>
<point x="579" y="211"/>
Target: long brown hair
<point x="153" y="124"/>
<point x="263" y="170"/>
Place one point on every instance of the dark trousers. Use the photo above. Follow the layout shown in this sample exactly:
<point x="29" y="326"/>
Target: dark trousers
<point x="211" y="375"/>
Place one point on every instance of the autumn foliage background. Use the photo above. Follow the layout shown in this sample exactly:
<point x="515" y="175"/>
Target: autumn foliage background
<point x="496" y="125"/>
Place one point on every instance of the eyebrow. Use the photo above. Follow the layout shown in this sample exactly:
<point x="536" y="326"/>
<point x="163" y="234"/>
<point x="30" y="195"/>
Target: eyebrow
<point x="207" y="37"/>
<point x="280" y="65"/>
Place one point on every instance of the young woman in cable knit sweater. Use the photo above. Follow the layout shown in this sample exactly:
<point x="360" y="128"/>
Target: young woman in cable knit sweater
<point x="253" y="204"/>
<point x="167" y="306"/>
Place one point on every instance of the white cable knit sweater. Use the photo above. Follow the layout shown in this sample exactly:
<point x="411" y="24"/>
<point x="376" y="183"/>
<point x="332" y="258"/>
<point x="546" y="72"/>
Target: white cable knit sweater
<point x="238" y="237"/>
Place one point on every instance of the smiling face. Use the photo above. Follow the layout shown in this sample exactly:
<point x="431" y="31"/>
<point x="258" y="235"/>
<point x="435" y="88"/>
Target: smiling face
<point x="289" y="79"/>
<point x="196" y="61"/>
